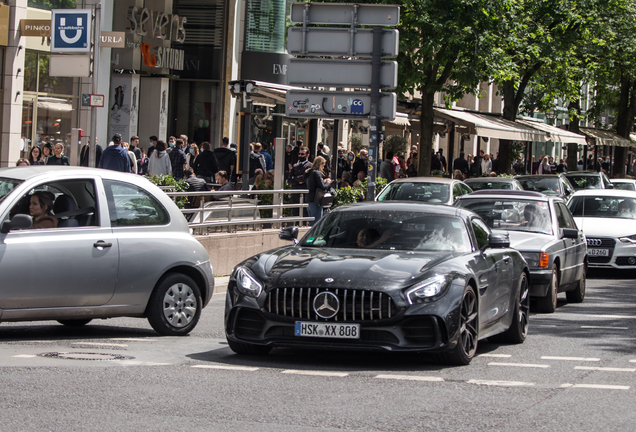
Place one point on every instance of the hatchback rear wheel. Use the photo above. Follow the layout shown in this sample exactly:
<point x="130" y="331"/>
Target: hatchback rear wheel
<point x="175" y="305"/>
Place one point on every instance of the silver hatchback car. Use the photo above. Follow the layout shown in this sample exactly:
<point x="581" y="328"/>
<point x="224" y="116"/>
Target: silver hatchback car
<point x="78" y="244"/>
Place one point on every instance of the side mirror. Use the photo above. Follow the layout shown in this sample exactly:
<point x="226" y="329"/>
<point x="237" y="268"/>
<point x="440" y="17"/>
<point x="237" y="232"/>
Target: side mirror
<point x="19" y="221"/>
<point x="498" y="241"/>
<point x="569" y="233"/>
<point x="289" y="233"/>
<point x="609" y="186"/>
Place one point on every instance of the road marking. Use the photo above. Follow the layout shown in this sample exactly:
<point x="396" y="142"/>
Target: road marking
<point x="100" y="344"/>
<point x="315" y="373"/>
<point x="607" y="369"/>
<point x="140" y="363"/>
<point x="632" y="361"/>
<point x="570" y="358"/>
<point x="501" y="383"/>
<point x="25" y="356"/>
<point x="520" y="365"/>
<point x="411" y="378"/>
<point x="595" y="386"/>
<point x="495" y="355"/>
<point x="134" y="339"/>
<point x="239" y="368"/>
<point x="605" y="327"/>
<point x="576" y="316"/>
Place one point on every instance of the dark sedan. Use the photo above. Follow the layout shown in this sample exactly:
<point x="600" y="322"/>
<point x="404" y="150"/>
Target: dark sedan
<point x="390" y="276"/>
<point x="487" y="183"/>
<point x="543" y="229"/>
<point x="548" y="184"/>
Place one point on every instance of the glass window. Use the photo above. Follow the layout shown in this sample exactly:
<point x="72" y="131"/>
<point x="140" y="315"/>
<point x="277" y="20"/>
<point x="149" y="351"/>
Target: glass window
<point x="512" y="214"/>
<point x="624" y="186"/>
<point x="457" y="191"/>
<point x="265" y="27"/>
<point x="548" y="186"/>
<point x="560" y="217"/>
<point x="6" y="186"/>
<point x="389" y="230"/>
<point x="129" y="205"/>
<point x="481" y="232"/>
<point x="585" y="181"/>
<point x="30" y="71"/>
<point x="416" y="191"/>
<point x="603" y="207"/>
<point x="569" y="220"/>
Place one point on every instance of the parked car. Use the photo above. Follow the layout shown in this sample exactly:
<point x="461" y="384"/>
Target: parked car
<point x="393" y="276"/>
<point x="121" y="247"/>
<point x="548" y="184"/>
<point x="608" y="218"/>
<point x="487" y="183"/>
<point x="436" y="190"/>
<point x="543" y="230"/>
<point x="624" y="184"/>
<point x="589" y="180"/>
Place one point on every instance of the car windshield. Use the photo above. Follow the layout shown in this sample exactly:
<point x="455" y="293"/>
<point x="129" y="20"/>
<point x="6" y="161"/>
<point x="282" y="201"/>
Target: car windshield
<point x="512" y="214"/>
<point x="475" y="186"/>
<point x="548" y="186"/>
<point x="603" y="207"/>
<point x="6" y="186"/>
<point x="389" y="230"/>
<point x="585" y="182"/>
<point x="624" y="186"/>
<point x="416" y="191"/>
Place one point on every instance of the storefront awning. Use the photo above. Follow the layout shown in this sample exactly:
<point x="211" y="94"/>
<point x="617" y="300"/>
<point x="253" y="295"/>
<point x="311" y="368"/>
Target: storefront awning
<point x="554" y="133"/>
<point x="401" y="119"/>
<point x="605" y="137"/>
<point x="484" y="125"/>
<point x="267" y="93"/>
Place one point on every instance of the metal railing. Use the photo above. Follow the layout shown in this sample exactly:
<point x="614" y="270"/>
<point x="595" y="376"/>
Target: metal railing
<point x="239" y="209"/>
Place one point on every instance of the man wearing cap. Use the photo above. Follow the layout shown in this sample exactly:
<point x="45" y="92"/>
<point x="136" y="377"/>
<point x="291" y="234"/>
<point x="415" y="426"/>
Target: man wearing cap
<point x="115" y="157"/>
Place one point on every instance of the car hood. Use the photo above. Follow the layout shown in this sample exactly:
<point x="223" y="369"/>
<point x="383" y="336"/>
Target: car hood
<point x="528" y="241"/>
<point x="606" y="227"/>
<point x="349" y="268"/>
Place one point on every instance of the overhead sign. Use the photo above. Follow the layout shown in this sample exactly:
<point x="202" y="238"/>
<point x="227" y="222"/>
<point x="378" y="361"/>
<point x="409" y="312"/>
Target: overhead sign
<point x="342" y="13"/>
<point x="338" y="41"/>
<point x="339" y="73"/>
<point x="35" y="27"/>
<point x="113" y="39"/>
<point x="71" y="30"/>
<point x="337" y="104"/>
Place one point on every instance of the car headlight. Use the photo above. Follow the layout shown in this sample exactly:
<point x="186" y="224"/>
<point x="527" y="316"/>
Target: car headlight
<point x="247" y="283"/>
<point x="427" y="289"/>
<point x="536" y="259"/>
<point x="628" y="239"/>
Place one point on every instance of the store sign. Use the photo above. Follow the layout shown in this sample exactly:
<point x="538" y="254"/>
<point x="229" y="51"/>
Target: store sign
<point x="71" y="30"/>
<point x="169" y="58"/>
<point x="33" y="27"/>
<point x="113" y="39"/>
<point x="145" y="22"/>
<point x="4" y="24"/>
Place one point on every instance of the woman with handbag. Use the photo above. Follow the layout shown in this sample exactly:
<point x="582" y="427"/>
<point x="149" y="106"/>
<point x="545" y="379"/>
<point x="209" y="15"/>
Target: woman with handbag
<point x="318" y="186"/>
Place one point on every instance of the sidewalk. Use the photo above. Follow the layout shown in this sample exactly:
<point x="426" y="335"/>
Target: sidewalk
<point x="220" y="284"/>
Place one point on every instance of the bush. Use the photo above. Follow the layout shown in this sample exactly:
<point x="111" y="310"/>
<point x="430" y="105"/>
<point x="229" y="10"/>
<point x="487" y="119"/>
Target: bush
<point x="177" y="185"/>
<point x="395" y="144"/>
<point x="356" y="142"/>
<point x="351" y="194"/>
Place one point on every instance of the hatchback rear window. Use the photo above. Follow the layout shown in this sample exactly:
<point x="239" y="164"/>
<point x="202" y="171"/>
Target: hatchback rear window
<point x="130" y="205"/>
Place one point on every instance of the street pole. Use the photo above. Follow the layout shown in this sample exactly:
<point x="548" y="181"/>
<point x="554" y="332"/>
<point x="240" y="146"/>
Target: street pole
<point x="374" y="119"/>
<point x="96" y="54"/>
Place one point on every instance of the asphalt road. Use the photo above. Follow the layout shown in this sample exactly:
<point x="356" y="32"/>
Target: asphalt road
<point x="575" y="372"/>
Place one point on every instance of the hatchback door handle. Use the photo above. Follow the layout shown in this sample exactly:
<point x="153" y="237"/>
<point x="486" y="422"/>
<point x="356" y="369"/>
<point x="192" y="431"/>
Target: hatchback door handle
<point x="102" y="244"/>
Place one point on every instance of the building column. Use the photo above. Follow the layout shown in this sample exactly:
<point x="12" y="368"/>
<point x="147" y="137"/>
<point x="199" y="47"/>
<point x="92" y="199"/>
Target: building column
<point x="13" y="86"/>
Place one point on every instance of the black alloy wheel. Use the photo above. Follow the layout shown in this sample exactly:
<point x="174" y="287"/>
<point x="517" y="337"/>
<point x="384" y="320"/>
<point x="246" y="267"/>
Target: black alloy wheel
<point x="468" y="338"/>
<point x="518" y="330"/>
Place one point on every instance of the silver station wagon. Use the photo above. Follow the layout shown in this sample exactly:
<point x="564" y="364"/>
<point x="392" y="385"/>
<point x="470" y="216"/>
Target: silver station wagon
<point x="78" y="244"/>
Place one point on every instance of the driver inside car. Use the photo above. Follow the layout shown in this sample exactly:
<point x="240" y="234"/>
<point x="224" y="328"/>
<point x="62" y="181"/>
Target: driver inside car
<point x="369" y="237"/>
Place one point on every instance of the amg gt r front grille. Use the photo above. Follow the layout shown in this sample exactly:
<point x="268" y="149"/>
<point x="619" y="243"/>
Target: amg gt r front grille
<point x="355" y="305"/>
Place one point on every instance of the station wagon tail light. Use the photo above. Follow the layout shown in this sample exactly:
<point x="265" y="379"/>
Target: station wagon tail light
<point x="425" y="290"/>
<point x="247" y="283"/>
<point x="544" y="259"/>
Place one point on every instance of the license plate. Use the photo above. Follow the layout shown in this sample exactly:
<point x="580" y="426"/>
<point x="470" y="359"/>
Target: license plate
<point x="598" y="252"/>
<point x="328" y="330"/>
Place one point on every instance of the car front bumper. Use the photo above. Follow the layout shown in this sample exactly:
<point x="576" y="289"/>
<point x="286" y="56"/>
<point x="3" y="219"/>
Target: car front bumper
<point x="539" y="281"/>
<point x="621" y="256"/>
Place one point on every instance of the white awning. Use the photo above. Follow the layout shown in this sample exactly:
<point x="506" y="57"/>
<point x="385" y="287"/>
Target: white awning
<point x="401" y="119"/>
<point x="485" y="125"/>
<point x="554" y="133"/>
<point x="605" y="137"/>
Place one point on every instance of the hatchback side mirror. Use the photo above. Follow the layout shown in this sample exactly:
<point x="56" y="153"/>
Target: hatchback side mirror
<point x="19" y="221"/>
<point x="289" y="233"/>
<point x="498" y="241"/>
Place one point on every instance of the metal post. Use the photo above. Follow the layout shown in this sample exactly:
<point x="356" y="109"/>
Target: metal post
<point x="334" y="152"/>
<point x="374" y="119"/>
<point x="96" y="54"/>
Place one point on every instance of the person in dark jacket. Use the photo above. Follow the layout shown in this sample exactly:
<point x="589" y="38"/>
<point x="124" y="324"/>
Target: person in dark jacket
<point x="85" y="154"/>
<point x="57" y="158"/>
<point x="461" y="164"/>
<point x="343" y="164"/>
<point x="361" y="163"/>
<point x="257" y="160"/>
<point x="297" y="174"/>
<point x="115" y="157"/>
<point x="206" y="165"/>
<point x="225" y="157"/>
<point x="316" y="182"/>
